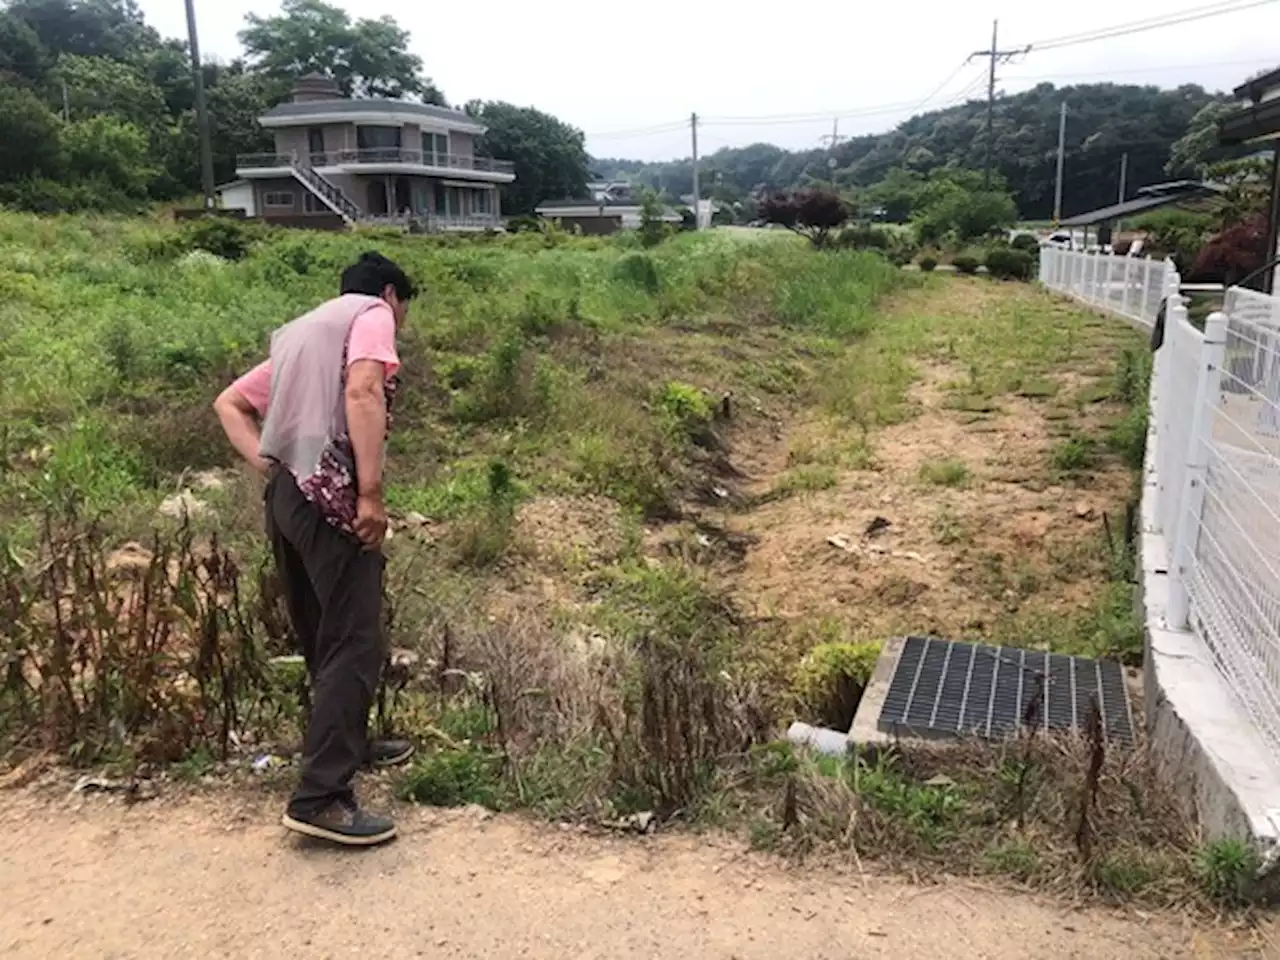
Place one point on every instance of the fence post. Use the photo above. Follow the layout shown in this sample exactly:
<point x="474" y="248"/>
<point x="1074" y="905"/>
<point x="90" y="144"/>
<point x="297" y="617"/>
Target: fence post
<point x="1128" y="281"/>
<point x="1191" y="499"/>
<point x="1170" y="284"/>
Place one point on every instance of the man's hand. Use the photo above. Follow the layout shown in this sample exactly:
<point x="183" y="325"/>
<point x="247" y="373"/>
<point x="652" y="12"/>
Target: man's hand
<point x="371" y="521"/>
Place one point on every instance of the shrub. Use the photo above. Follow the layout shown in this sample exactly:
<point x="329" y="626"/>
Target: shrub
<point x="1178" y="234"/>
<point x="945" y="473"/>
<point x="1073" y="454"/>
<point x="1005" y="263"/>
<point x="524" y="223"/>
<point x="1226" y="869"/>
<point x="864" y="238"/>
<point x="902" y="249"/>
<point x="1234" y="253"/>
<point x="454" y="777"/>
<point x="221" y="236"/>
<point x="928" y="264"/>
<point x="688" y="411"/>
<point x="639" y="269"/>
<point x="653" y="229"/>
<point x="965" y="264"/>
<point x="1027" y="243"/>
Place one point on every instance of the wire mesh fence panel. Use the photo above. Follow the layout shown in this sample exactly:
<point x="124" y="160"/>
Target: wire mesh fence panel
<point x="1234" y="581"/>
<point x="1216" y="411"/>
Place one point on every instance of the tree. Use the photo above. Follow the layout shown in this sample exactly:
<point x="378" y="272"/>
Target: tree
<point x="30" y="145"/>
<point x="549" y="155"/>
<point x="897" y="194"/>
<point x="812" y="213"/>
<point x="1234" y="253"/>
<point x="1104" y="122"/>
<point x="954" y="203"/>
<point x="1248" y="183"/>
<point x="87" y="28"/>
<point x="368" y="58"/>
<point x="1194" y="152"/>
<point x="23" y="58"/>
<point x="96" y="85"/>
<point x="110" y="152"/>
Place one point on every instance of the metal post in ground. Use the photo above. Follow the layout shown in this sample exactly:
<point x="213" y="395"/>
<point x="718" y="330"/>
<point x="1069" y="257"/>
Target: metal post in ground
<point x="1191" y="497"/>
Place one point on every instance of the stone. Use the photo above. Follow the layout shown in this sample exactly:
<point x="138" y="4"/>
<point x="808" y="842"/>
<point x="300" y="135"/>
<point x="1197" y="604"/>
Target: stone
<point x="130" y="558"/>
<point x="207" y="480"/>
<point x="182" y="506"/>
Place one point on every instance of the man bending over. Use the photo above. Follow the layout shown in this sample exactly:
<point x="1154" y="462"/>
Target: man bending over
<point x="313" y="419"/>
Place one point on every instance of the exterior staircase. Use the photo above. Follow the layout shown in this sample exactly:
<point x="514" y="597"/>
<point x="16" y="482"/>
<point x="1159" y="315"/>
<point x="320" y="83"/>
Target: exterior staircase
<point x="330" y="195"/>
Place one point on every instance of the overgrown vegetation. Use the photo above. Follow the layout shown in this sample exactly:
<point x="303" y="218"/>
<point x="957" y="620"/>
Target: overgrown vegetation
<point x="1030" y="810"/>
<point x="564" y="401"/>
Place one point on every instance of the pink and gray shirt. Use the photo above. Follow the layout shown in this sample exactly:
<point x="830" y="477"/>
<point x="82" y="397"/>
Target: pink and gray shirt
<point x="300" y="394"/>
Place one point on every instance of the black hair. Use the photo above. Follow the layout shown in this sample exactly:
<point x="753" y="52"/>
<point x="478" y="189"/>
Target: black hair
<point x="372" y="273"/>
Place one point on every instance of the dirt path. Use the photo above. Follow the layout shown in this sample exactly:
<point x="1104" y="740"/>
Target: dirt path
<point x="203" y="879"/>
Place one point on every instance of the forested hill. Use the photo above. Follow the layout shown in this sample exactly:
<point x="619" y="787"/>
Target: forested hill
<point x="1104" y="121"/>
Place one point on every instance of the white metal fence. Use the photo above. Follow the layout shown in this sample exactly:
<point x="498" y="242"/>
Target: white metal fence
<point x="1127" y="286"/>
<point x="1215" y="407"/>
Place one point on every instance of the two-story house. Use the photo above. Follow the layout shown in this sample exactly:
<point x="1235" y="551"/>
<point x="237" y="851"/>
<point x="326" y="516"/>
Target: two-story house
<point x="339" y="161"/>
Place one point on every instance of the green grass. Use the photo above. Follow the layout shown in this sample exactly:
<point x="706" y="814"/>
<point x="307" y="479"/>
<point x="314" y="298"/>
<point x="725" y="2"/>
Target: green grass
<point x="1226" y="870"/>
<point x="809" y="478"/>
<point x="945" y="473"/>
<point x="548" y="351"/>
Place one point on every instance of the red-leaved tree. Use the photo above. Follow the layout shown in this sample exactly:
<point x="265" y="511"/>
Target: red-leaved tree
<point x="812" y="213"/>
<point x="1233" y="254"/>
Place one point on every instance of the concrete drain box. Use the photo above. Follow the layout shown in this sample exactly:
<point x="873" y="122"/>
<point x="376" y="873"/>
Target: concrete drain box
<point x="943" y="689"/>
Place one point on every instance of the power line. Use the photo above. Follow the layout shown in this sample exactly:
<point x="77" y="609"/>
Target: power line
<point x="1141" y="26"/>
<point x="668" y="127"/>
<point x="1136" y="70"/>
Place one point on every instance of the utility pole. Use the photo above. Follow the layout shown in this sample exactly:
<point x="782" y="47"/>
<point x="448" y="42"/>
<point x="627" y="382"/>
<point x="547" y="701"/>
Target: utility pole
<point x="833" y="137"/>
<point x="202" y="109"/>
<point x="697" y="212"/>
<point x="996" y="55"/>
<point x="1062" y="156"/>
<point x="1124" y="174"/>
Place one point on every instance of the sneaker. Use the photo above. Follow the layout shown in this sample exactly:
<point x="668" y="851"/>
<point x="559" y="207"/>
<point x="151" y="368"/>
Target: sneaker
<point x="389" y="753"/>
<point x="343" y="823"/>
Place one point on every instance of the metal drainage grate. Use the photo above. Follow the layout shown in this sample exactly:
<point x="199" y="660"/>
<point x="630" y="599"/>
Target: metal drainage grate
<point x="943" y="689"/>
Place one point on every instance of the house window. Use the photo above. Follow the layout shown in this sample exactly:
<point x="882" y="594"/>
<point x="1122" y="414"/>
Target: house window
<point x="435" y="149"/>
<point x="313" y="204"/>
<point x="378" y="143"/>
<point x="480" y="202"/>
<point x="315" y="145"/>
<point x="278" y="198"/>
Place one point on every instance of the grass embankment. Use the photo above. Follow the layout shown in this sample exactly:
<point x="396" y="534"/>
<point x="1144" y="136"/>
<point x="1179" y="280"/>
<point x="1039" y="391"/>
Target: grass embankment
<point x="614" y="473"/>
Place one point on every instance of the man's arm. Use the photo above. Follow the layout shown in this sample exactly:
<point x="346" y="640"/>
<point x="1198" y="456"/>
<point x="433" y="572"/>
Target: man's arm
<point x="367" y="426"/>
<point x="239" y="420"/>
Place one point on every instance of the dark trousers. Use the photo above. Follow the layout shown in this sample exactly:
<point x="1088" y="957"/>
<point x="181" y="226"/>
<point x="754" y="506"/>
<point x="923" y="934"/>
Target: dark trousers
<point x="333" y="589"/>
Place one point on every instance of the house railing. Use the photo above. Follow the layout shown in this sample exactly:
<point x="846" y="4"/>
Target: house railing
<point x="379" y="155"/>
<point x="328" y="192"/>
<point x="439" y="222"/>
<point x="1215" y="427"/>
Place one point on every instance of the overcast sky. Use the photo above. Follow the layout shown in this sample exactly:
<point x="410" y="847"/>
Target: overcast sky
<point x="616" y="71"/>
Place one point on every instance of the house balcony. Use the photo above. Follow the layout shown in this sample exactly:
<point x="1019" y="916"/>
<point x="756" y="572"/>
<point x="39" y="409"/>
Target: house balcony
<point x="382" y="160"/>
